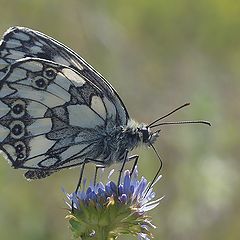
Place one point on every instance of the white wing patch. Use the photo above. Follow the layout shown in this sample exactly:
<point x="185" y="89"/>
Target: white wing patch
<point x="36" y="49"/>
<point x="77" y="80"/>
<point x="13" y="43"/>
<point x="32" y="66"/>
<point x="36" y="109"/>
<point x="98" y="106"/>
<point x="73" y="150"/>
<point x="4" y="109"/>
<point x="111" y="109"/>
<point x="6" y="91"/>
<point x="16" y="55"/>
<point x="39" y="145"/>
<point x="48" y="162"/>
<point x="17" y="75"/>
<point x="7" y="148"/>
<point x="40" y="126"/>
<point x="83" y="116"/>
<point x="46" y="98"/>
<point x="61" y="81"/>
<point x="4" y="132"/>
<point x="21" y="36"/>
<point x="59" y="92"/>
<point x="3" y="64"/>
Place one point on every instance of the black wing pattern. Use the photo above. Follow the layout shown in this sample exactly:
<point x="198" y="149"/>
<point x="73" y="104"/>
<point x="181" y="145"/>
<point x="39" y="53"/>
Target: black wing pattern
<point x="21" y="42"/>
<point x="55" y="109"/>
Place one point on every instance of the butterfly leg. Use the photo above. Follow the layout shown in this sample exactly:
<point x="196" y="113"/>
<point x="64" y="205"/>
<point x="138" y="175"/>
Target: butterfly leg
<point x="126" y="158"/>
<point x="136" y="157"/>
<point x="101" y="165"/>
<point x="122" y="167"/>
<point x="96" y="172"/>
<point x="79" y="181"/>
<point x="87" y="160"/>
<point x="80" y="176"/>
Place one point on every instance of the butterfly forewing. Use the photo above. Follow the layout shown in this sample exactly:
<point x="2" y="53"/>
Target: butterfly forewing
<point x="20" y="42"/>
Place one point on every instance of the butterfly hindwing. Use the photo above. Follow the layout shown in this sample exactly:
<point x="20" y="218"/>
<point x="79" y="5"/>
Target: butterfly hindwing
<point x="51" y="116"/>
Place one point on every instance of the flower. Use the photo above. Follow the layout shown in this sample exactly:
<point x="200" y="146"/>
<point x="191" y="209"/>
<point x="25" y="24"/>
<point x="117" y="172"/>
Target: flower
<point x="108" y="211"/>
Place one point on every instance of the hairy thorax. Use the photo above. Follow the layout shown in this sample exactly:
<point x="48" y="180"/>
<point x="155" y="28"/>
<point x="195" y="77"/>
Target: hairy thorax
<point x="115" y="142"/>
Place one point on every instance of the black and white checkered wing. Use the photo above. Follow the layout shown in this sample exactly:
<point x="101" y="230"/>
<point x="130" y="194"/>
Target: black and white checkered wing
<point x="51" y="116"/>
<point x="21" y="42"/>
<point x="54" y="108"/>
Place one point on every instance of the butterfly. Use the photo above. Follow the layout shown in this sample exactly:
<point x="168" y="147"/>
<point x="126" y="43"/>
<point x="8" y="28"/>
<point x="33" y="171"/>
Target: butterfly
<point x="56" y="111"/>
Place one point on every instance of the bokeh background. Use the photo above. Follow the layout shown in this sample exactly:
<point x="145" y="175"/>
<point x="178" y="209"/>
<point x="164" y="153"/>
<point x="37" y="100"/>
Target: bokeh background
<point x="158" y="55"/>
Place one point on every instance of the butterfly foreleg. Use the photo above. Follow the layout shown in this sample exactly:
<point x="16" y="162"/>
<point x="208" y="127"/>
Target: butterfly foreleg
<point x="96" y="172"/>
<point x="99" y="164"/>
<point x="80" y="176"/>
<point x="79" y="181"/>
<point x="87" y="160"/>
<point x="126" y="159"/>
<point x="123" y="165"/>
<point x="135" y="158"/>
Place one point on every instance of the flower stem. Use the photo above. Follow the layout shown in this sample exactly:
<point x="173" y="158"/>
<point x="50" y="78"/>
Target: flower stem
<point x="102" y="233"/>
<point x="99" y="234"/>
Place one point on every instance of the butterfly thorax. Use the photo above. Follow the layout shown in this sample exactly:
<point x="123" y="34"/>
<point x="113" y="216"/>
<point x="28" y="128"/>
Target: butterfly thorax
<point x="139" y="134"/>
<point x="125" y="138"/>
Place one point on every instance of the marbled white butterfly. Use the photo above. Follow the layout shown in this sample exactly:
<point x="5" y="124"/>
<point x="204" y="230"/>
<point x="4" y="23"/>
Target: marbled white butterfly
<point x="56" y="111"/>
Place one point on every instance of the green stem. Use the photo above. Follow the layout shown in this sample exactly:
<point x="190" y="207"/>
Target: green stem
<point x="101" y="233"/>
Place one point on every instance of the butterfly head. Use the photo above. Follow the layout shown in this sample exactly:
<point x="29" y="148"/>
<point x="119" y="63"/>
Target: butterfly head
<point x="136" y="134"/>
<point x="146" y="135"/>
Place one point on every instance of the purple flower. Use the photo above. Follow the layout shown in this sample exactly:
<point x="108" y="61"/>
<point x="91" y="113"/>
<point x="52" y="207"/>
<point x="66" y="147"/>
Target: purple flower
<point x="110" y="210"/>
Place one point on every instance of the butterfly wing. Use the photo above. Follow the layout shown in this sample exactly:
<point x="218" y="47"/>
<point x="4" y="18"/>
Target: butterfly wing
<point x="51" y="116"/>
<point x="20" y="42"/>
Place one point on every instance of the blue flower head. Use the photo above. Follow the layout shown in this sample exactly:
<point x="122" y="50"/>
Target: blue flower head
<point x="108" y="211"/>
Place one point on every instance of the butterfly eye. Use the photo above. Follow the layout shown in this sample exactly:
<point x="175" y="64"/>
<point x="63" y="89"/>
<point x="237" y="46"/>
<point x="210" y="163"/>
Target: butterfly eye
<point x="18" y="109"/>
<point x="50" y="73"/>
<point x="40" y="82"/>
<point x="17" y="129"/>
<point x="145" y="134"/>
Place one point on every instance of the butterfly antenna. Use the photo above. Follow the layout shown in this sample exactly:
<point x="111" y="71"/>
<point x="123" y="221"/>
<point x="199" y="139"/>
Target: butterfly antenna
<point x="158" y="171"/>
<point x="183" y="122"/>
<point x="168" y="114"/>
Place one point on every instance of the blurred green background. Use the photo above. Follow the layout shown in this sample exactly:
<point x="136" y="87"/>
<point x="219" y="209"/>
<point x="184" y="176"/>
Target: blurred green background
<point x="158" y="55"/>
